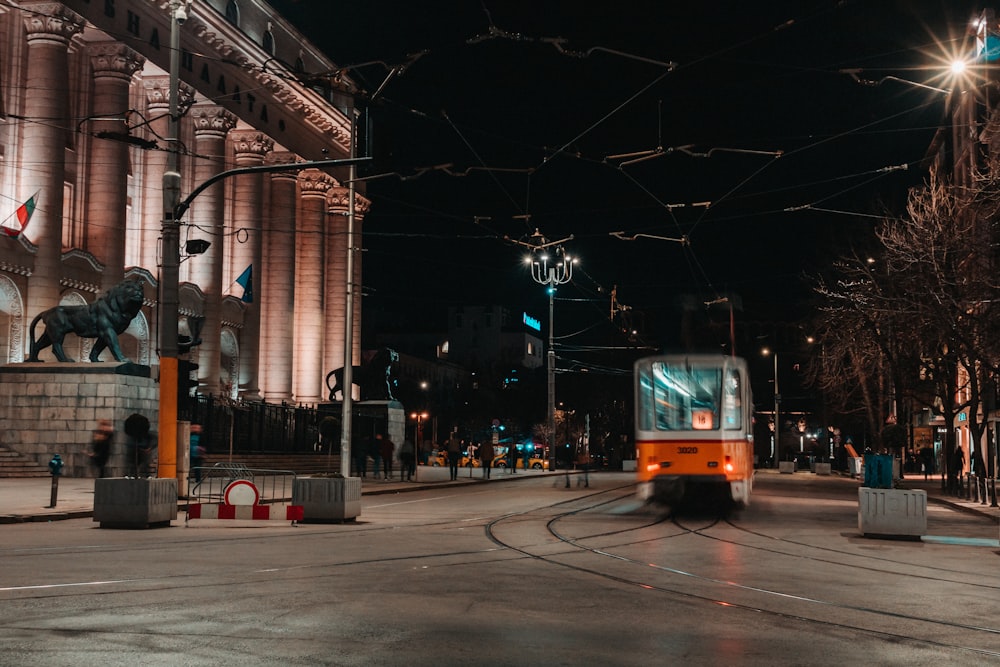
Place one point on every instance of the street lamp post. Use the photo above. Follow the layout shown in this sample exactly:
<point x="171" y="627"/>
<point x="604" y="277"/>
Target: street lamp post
<point x="777" y="403"/>
<point x="417" y="437"/>
<point x="170" y="263"/>
<point x="550" y="266"/>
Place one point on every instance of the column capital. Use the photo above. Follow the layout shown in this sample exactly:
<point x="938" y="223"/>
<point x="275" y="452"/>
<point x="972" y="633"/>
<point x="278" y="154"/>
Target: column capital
<point x="114" y="59"/>
<point x="338" y="201"/>
<point x="51" y="21"/>
<point x="157" y="90"/>
<point x="251" y="145"/>
<point x="282" y="157"/>
<point x="210" y="119"/>
<point x="315" y="183"/>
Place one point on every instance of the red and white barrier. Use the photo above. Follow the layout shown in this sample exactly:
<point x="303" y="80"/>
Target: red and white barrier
<point x="241" y="498"/>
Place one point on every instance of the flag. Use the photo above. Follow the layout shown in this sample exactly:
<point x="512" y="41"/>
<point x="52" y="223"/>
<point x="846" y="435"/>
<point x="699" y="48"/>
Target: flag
<point x="13" y="228"/>
<point x="245" y="281"/>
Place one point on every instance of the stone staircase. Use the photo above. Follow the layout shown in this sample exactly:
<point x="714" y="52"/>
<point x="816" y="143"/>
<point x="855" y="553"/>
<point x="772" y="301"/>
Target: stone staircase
<point x="13" y="464"/>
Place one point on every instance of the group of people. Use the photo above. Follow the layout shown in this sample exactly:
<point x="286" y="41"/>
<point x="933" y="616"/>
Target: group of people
<point x="140" y="443"/>
<point x="140" y="446"/>
<point x="382" y="450"/>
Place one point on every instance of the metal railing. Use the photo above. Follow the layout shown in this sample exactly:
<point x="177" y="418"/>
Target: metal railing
<point x="208" y="484"/>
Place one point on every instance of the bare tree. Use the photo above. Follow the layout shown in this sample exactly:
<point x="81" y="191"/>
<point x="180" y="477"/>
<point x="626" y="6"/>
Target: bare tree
<point x="920" y="321"/>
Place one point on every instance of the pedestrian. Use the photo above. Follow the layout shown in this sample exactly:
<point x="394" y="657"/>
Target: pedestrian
<point x="375" y="451"/>
<point x="486" y="453"/>
<point x="360" y="451"/>
<point x="407" y="460"/>
<point x="454" y="448"/>
<point x="583" y="461"/>
<point x="197" y="452"/>
<point x="386" y="451"/>
<point x="140" y="446"/>
<point x="512" y="458"/>
<point x="927" y="461"/>
<point x="526" y="456"/>
<point x="100" y="445"/>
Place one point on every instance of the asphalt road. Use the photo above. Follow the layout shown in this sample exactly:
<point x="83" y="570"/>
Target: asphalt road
<point x="526" y="573"/>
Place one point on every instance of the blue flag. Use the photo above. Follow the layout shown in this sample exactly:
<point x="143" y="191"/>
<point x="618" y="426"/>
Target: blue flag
<point x="246" y="282"/>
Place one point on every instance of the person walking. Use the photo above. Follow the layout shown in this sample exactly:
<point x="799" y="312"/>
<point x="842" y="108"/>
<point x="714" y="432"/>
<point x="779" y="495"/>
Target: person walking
<point x="375" y="451"/>
<point x="583" y="461"/>
<point x="100" y="445"/>
<point x="454" y="449"/>
<point x="407" y="460"/>
<point x="140" y="443"/>
<point x="386" y="451"/>
<point x="360" y="452"/>
<point x="511" y="457"/>
<point x="197" y="452"/>
<point x="486" y="453"/>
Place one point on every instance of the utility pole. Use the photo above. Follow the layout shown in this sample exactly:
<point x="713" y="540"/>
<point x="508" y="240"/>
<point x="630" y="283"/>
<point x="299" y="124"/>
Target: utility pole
<point x="170" y="262"/>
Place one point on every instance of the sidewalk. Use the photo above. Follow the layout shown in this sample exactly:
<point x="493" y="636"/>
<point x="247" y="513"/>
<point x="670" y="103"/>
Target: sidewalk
<point x="28" y="499"/>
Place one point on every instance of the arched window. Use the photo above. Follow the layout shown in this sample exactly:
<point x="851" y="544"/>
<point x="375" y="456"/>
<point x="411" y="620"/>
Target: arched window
<point x="233" y="13"/>
<point x="268" y="42"/>
<point x="300" y="66"/>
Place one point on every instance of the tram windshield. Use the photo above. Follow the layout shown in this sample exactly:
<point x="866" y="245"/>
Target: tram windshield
<point x="678" y="397"/>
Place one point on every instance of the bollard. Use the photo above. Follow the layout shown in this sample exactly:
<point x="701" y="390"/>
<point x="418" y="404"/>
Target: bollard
<point x="55" y="467"/>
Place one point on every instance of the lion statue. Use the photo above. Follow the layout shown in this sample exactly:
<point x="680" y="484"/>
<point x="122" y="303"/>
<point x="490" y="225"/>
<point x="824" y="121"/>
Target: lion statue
<point x="103" y="319"/>
<point x="374" y="378"/>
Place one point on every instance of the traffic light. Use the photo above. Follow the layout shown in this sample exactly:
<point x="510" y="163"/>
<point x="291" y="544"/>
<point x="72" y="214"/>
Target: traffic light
<point x="186" y="381"/>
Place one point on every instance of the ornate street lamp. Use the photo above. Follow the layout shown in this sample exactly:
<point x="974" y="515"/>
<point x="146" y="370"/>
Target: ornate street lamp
<point x="550" y="266"/>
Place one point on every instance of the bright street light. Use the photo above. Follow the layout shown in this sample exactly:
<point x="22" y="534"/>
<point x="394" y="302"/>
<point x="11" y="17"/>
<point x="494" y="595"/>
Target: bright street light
<point x="550" y="266"/>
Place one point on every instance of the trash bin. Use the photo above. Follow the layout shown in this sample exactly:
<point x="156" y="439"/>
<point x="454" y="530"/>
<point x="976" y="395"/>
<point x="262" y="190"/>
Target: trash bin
<point x="854" y="466"/>
<point x="878" y="471"/>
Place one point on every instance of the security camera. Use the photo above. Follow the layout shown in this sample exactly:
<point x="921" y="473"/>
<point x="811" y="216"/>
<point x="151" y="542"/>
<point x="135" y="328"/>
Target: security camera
<point x="181" y="15"/>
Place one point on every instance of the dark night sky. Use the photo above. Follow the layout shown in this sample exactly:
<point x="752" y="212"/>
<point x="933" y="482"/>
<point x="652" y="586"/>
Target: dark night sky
<point x="492" y="92"/>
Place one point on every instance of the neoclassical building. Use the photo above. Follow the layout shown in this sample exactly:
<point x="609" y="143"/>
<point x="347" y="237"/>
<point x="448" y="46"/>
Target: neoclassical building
<point x="84" y="128"/>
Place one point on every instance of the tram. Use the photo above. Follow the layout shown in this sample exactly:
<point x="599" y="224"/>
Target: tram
<point x="693" y="428"/>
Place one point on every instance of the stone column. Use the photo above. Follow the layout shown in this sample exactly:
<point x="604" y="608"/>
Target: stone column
<point x="144" y="249"/>
<point x="144" y="243"/>
<point x="113" y="65"/>
<point x="335" y="313"/>
<point x="211" y="126"/>
<point x="308" y="365"/>
<point x="361" y="206"/>
<point x="277" y="294"/>
<point x="250" y="147"/>
<point x="49" y="27"/>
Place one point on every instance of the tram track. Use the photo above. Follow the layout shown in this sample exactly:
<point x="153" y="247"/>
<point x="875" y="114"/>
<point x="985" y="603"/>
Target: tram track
<point x="757" y="596"/>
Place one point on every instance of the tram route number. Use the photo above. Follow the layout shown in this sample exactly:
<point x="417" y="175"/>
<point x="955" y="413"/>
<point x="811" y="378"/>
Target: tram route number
<point x="687" y="450"/>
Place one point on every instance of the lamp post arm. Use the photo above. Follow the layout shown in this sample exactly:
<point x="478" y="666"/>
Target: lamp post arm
<point x="183" y="206"/>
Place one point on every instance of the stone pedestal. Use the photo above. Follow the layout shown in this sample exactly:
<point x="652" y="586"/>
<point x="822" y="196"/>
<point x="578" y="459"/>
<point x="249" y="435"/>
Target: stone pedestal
<point x="823" y="469"/>
<point x="786" y="467"/>
<point x="135" y="503"/>
<point x="892" y="512"/>
<point x="52" y="408"/>
<point x="327" y="498"/>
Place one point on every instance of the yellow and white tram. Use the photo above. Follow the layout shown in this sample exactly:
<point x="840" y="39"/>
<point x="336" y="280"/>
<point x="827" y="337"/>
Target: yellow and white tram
<point x="693" y="427"/>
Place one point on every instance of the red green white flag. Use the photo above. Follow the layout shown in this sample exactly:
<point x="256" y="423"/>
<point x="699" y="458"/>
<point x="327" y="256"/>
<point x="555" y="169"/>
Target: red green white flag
<point x="15" y="224"/>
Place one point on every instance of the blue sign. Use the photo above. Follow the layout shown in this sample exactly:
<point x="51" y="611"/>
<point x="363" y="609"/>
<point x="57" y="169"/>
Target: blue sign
<point x="532" y="322"/>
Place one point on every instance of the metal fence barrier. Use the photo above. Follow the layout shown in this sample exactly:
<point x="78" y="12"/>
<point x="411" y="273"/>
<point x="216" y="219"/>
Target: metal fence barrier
<point x="208" y="485"/>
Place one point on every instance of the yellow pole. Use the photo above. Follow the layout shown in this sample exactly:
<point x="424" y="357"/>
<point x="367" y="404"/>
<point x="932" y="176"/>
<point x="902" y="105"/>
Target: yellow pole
<point x="167" y="431"/>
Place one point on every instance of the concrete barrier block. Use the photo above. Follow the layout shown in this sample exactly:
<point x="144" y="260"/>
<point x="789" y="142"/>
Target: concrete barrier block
<point x="892" y="512"/>
<point x="786" y="467"/>
<point x="823" y="469"/>
<point x="121" y="502"/>
<point x="328" y="498"/>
